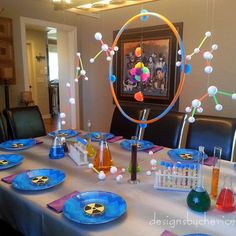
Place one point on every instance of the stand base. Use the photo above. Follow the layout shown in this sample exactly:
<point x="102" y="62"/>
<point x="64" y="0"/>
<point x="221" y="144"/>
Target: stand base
<point x="137" y="181"/>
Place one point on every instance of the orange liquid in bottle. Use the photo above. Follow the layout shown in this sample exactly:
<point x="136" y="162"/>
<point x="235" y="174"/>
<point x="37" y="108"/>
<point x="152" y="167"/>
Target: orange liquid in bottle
<point x="214" y="182"/>
<point x="225" y="201"/>
<point x="103" y="160"/>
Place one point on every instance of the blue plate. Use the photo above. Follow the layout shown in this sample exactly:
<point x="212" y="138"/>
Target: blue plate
<point x="95" y="207"/>
<point x="197" y="235"/>
<point x="67" y="133"/>
<point x="29" y="180"/>
<point x="96" y="136"/>
<point x="9" y="160"/>
<point x="142" y="144"/>
<point x="185" y="155"/>
<point x="17" y="144"/>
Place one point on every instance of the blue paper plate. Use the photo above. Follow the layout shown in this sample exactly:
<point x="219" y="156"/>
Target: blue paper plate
<point x="67" y="133"/>
<point x="185" y="155"/>
<point x="17" y="144"/>
<point x="9" y="160"/>
<point x="197" y="235"/>
<point x="142" y="144"/>
<point x="96" y="136"/>
<point x="95" y="207"/>
<point x="30" y="180"/>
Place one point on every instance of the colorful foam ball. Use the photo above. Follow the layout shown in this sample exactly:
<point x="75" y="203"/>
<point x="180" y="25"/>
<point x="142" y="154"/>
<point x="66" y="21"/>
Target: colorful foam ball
<point x="187" y="69"/>
<point x="143" y="126"/>
<point x="112" y="78"/>
<point x="138" y="52"/>
<point x="139" y="96"/>
<point x="145" y="17"/>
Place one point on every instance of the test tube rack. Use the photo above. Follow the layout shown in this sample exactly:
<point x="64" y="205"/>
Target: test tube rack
<point x="178" y="177"/>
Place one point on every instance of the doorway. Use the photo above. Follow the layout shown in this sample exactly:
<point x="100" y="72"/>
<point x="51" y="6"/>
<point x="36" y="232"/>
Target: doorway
<point x="67" y="48"/>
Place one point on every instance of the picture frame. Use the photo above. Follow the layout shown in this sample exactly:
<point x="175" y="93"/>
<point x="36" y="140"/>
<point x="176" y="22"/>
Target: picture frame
<point x="5" y="28"/>
<point x="159" y="54"/>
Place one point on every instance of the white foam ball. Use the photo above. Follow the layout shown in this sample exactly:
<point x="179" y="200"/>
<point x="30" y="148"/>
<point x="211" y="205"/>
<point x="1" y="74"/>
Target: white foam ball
<point x="123" y="170"/>
<point x="218" y="107"/>
<point x="109" y="58"/>
<point x="196" y="103"/>
<point x="63" y="122"/>
<point x="119" y="178"/>
<point x="208" y="69"/>
<point x="148" y="173"/>
<point x="90" y="165"/>
<point x="101" y="175"/>
<point x="113" y="170"/>
<point x="178" y="63"/>
<point x="188" y="57"/>
<point x="207" y="55"/>
<point x="188" y="109"/>
<point x="82" y="72"/>
<point x="104" y="47"/>
<point x="214" y="47"/>
<point x="150" y="152"/>
<point x="196" y="50"/>
<point x="234" y="96"/>
<point x="62" y="115"/>
<point x="78" y="68"/>
<point x="67" y="85"/>
<point x="191" y="119"/>
<point x="76" y="80"/>
<point x="212" y="90"/>
<point x="72" y="101"/>
<point x="153" y="162"/>
<point x="116" y="48"/>
<point x="112" y="53"/>
<point x="63" y="139"/>
<point x="199" y="109"/>
<point x="86" y="78"/>
<point x="78" y="54"/>
<point x="98" y="36"/>
<point x="91" y="60"/>
<point x="179" y="52"/>
<point x="208" y="34"/>
<point x="154" y="167"/>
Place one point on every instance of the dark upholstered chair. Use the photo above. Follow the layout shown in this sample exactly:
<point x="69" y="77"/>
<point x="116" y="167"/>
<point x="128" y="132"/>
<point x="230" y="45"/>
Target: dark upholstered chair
<point x="122" y="126"/>
<point x="167" y="131"/>
<point x="3" y="134"/>
<point x="210" y="131"/>
<point x="24" y="122"/>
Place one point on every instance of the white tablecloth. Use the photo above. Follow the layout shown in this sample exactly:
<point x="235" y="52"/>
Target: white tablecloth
<point x="150" y="211"/>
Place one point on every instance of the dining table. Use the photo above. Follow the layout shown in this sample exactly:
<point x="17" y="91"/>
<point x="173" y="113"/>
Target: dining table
<point x="149" y="211"/>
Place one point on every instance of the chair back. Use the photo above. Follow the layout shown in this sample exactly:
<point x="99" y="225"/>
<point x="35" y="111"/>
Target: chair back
<point x="210" y="131"/>
<point x="3" y="134"/>
<point x="167" y="131"/>
<point x="24" y="122"/>
<point x="122" y="126"/>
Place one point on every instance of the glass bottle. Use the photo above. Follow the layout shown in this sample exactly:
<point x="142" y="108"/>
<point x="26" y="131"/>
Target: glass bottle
<point x="56" y="149"/>
<point x="103" y="159"/>
<point x="215" y="172"/>
<point x="225" y="200"/>
<point x="89" y="146"/>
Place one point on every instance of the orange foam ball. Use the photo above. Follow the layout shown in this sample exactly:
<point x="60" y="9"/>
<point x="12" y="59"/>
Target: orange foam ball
<point x="139" y="96"/>
<point x="138" y="52"/>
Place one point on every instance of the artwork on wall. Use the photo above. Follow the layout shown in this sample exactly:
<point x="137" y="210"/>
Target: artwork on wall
<point x="7" y="70"/>
<point x="159" y="53"/>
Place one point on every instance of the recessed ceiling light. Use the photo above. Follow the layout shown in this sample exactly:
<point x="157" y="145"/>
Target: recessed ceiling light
<point x="101" y="4"/>
<point x="117" y="1"/>
<point x="85" y="6"/>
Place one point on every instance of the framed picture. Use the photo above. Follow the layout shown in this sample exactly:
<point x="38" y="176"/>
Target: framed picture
<point x="159" y="49"/>
<point x="5" y="28"/>
<point x="6" y="51"/>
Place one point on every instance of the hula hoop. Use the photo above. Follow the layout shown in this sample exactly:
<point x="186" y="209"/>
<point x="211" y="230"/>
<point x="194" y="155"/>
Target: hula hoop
<point x="182" y="78"/>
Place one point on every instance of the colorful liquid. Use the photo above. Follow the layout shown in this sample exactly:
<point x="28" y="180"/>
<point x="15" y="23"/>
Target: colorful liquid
<point x="56" y="152"/>
<point x="225" y="200"/>
<point x="214" y="182"/>
<point x="103" y="160"/>
<point x="198" y="200"/>
<point x="90" y="149"/>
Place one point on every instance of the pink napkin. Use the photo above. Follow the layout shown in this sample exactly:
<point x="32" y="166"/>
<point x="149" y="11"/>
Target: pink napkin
<point x="210" y="161"/>
<point x="38" y="141"/>
<point x="168" y="233"/>
<point x="154" y="149"/>
<point x="58" y="204"/>
<point x="114" y="139"/>
<point x="8" y="179"/>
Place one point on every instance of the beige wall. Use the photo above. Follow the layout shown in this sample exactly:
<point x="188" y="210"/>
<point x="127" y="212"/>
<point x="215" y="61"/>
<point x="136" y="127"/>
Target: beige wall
<point x="42" y="10"/>
<point x="38" y="40"/>
<point x="198" y="17"/>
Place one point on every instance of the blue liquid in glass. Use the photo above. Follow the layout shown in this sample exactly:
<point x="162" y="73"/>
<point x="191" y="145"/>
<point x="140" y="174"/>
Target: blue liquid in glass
<point x="56" y="152"/>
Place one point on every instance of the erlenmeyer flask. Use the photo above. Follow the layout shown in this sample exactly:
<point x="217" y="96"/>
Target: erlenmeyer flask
<point x="56" y="149"/>
<point x="225" y="200"/>
<point x="103" y="160"/>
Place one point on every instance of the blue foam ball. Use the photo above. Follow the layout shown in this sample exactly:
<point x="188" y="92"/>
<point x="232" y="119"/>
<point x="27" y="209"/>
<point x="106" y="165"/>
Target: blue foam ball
<point x="143" y="126"/>
<point x="144" y="18"/>
<point x="187" y="69"/>
<point x="112" y="78"/>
